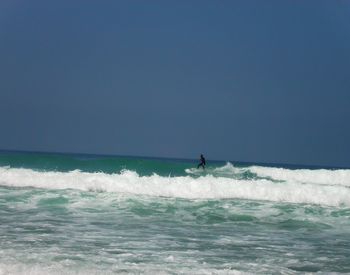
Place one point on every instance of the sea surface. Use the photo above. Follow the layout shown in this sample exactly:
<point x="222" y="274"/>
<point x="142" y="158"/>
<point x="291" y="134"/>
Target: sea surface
<point x="87" y="214"/>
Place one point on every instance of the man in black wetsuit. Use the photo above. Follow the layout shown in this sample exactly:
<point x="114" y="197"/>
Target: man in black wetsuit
<point x="202" y="162"/>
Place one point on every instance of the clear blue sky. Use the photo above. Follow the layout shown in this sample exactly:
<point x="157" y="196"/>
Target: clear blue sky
<point x="262" y="81"/>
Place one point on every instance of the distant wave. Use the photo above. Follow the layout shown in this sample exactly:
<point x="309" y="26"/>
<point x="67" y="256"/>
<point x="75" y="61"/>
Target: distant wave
<point x="320" y="176"/>
<point x="317" y="176"/>
<point x="306" y="190"/>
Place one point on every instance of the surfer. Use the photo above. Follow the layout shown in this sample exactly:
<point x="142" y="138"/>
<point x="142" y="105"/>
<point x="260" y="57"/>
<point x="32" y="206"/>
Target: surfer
<point x="202" y="160"/>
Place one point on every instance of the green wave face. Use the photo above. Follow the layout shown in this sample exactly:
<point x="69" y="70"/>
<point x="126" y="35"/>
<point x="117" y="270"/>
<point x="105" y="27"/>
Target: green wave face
<point x="90" y="163"/>
<point x="116" y="164"/>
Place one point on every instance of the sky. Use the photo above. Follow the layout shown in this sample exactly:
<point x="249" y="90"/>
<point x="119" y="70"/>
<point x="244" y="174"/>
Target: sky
<point x="258" y="81"/>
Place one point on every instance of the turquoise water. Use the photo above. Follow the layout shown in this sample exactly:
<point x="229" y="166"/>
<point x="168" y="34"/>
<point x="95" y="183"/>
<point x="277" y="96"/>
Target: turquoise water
<point x="76" y="214"/>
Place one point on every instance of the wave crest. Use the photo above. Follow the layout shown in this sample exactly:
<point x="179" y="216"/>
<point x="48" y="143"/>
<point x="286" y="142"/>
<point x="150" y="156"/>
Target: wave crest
<point x="320" y="176"/>
<point x="202" y="187"/>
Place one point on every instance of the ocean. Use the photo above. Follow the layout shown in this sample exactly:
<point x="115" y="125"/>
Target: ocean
<point x="88" y="214"/>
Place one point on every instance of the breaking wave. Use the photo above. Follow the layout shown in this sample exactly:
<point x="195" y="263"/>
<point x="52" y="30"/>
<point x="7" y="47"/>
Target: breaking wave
<point x="323" y="187"/>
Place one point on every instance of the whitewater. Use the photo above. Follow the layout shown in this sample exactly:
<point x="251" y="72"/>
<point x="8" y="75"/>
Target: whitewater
<point x="78" y="214"/>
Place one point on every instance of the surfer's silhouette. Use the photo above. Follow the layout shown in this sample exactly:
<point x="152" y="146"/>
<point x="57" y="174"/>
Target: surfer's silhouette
<point x="202" y="160"/>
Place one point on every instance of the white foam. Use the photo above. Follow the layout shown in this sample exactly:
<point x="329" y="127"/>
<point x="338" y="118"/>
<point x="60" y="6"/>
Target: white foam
<point x="205" y="187"/>
<point x="119" y="268"/>
<point x="227" y="170"/>
<point x="320" y="176"/>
